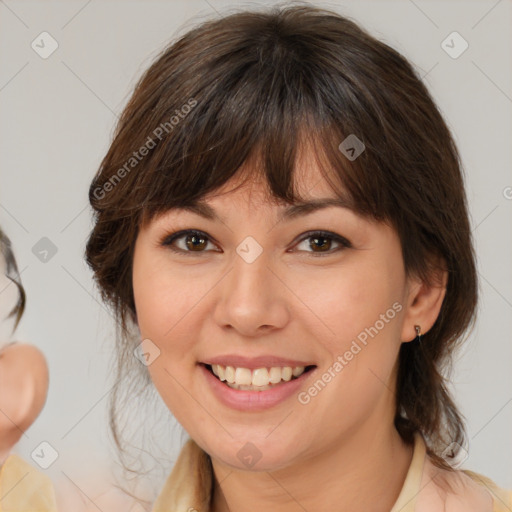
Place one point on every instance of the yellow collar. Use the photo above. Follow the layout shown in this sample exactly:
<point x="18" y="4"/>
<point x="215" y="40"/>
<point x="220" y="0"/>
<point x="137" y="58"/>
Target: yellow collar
<point x="22" y="487"/>
<point x="189" y="486"/>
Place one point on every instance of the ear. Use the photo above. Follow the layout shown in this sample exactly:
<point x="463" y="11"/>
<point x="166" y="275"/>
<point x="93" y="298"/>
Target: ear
<point x="423" y="303"/>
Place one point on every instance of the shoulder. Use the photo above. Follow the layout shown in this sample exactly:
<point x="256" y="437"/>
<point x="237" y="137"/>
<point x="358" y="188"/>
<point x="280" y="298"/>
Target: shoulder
<point x="460" y="491"/>
<point x="502" y="497"/>
<point x="189" y="485"/>
<point x="22" y="487"/>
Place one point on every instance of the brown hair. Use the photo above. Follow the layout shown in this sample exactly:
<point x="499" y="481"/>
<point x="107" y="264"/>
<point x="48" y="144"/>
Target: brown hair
<point x="11" y="271"/>
<point x="255" y="87"/>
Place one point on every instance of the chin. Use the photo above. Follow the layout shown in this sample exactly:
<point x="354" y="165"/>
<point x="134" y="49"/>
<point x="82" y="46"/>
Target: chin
<point x="262" y="454"/>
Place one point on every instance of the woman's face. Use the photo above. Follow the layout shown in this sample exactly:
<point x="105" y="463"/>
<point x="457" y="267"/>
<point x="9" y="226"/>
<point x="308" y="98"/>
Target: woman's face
<point x="254" y="285"/>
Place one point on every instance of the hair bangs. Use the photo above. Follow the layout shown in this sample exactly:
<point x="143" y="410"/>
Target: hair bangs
<point x="259" y="132"/>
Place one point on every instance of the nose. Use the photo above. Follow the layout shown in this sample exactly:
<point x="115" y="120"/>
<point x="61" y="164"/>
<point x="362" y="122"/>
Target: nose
<point x="252" y="298"/>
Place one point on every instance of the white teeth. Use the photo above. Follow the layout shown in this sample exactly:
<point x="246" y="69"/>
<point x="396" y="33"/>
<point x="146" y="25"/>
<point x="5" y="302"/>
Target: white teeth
<point x="298" y="370"/>
<point x="243" y="377"/>
<point x="286" y="373"/>
<point x="275" y="375"/>
<point x="230" y="374"/>
<point x="220" y="372"/>
<point x="258" y="379"/>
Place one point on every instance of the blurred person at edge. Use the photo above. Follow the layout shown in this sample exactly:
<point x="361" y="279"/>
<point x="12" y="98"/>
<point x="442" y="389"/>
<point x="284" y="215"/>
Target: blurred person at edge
<point x="24" y="382"/>
<point x="23" y="389"/>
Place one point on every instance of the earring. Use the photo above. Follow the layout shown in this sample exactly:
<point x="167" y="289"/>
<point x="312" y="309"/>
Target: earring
<point x="418" y="333"/>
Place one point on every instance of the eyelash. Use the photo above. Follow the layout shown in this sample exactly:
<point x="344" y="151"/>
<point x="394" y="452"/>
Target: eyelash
<point x="343" y="242"/>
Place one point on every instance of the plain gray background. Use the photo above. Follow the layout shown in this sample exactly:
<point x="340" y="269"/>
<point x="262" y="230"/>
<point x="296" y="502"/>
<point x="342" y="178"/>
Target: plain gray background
<point x="57" y="120"/>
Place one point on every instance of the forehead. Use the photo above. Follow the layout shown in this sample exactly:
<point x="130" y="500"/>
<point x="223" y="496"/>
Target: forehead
<point x="309" y="184"/>
<point x="314" y="187"/>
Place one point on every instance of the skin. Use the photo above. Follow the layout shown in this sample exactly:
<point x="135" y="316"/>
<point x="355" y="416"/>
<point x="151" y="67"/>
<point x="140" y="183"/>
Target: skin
<point x="288" y="302"/>
<point x="24" y="386"/>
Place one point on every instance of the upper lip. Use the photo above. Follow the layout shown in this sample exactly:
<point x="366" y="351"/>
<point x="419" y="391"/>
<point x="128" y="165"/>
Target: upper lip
<point x="264" y="361"/>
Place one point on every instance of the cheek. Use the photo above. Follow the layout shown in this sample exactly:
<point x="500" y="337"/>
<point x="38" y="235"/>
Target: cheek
<point x="168" y="303"/>
<point x="351" y="300"/>
<point x="163" y="303"/>
<point x="162" y="297"/>
<point x="159" y="303"/>
<point x="360" y="307"/>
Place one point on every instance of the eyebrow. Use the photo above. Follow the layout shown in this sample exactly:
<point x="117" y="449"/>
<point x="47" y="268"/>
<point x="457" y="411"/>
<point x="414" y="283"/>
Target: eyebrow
<point x="290" y="212"/>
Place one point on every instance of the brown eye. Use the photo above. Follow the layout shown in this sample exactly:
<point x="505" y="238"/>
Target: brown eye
<point x="323" y="243"/>
<point x="320" y="242"/>
<point x="194" y="241"/>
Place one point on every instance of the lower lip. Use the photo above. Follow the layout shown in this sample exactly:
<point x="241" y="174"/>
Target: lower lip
<point x="254" y="400"/>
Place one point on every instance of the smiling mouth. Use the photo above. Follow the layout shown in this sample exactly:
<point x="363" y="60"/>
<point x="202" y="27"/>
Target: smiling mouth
<point x="259" y="379"/>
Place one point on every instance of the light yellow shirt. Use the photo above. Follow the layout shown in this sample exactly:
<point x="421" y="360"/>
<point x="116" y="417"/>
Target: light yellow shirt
<point x="188" y="487"/>
<point x="25" y="489"/>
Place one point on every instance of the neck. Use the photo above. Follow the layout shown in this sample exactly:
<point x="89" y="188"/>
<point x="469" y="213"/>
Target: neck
<point x="364" y="471"/>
